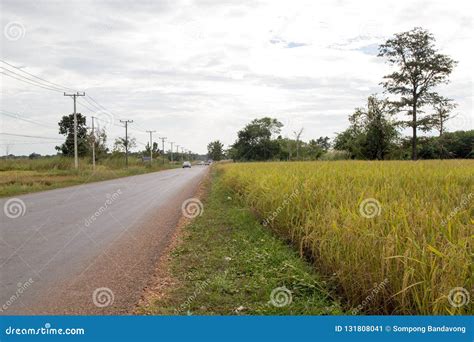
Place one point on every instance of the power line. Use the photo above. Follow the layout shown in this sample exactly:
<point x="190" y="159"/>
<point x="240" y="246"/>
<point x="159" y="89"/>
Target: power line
<point x="98" y="105"/>
<point x="31" y="79"/>
<point x="95" y="106"/>
<point x="29" y="136"/>
<point x="42" y="79"/>
<point x="86" y="107"/>
<point x="37" y="85"/>
<point x="48" y="85"/>
<point x="56" y="87"/>
<point x="28" y="142"/>
<point x="18" y="117"/>
<point x="105" y="121"/>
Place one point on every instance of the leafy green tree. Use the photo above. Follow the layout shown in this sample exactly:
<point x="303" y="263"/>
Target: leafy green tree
<point x="99" y="138"/>
<point x="372" y="132"/>
<point x="459" y="144"/>
<point x="380" y="129"/>
<point x="420" y="68"/>
<point x="66" y="127"/>
<point x="443" y="108"/>
<point x="254" y="141"/>
<point x="350" y="140"/>
<point x="215" y="150"/>
<point x="34" y="155"/>
<point x="316" y="148"/>
<point x="120" y="144"/>
<point x="155" y="149"/>
<point x="324" y="143"/>
<point x="286" y="147"/>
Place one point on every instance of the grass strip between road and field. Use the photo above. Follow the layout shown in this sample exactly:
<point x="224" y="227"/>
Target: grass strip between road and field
<point x="227" y="263"/>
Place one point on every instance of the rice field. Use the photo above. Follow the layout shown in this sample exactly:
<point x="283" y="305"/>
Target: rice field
<point x="395" y="237"/>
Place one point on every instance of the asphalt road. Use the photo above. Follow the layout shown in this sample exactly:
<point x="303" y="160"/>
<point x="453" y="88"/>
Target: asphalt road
<point x="89" y="249"/>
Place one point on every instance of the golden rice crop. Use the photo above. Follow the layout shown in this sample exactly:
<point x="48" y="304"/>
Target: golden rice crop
<point x="395" y="236"/>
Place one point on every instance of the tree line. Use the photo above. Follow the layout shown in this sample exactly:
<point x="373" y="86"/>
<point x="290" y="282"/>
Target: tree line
<point x="410" y="100"/>
<point x="86" y="138"/>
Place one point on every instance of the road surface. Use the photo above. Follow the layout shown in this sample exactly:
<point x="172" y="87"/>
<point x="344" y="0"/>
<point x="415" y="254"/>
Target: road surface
<point x="88" y="249"/>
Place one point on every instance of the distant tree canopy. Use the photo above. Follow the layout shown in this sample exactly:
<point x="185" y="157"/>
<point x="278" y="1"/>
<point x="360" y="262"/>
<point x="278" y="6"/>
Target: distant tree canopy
<point x="66" y="127"/>
<point x="99" y="138"/>
<point x="254" y="141"/>
<point x="121" y="144"/>
<point x="372" y="131"/>
<point x="459" y="144"/>
<point x="215" y="150"/>
<point x="155" y="149"/>
<point x="420" y="68"/>
<point x="442" y="112"/>
<point x="260" y="140"/>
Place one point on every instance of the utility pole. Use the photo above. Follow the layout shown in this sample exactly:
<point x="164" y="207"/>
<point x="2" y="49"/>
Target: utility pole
<point x="151" y="145"/>
<point x="171" y="142"/>
<point x="126" y="122"/>
<point x="76" y="162"/>
<point x="163" y="146"/>
<point x="93" y="145"/>
<point x="182" y="153"/>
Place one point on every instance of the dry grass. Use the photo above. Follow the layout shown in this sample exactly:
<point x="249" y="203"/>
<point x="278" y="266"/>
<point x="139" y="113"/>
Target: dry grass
<point x="421" y="241"/>
<point x="20" y="176"/>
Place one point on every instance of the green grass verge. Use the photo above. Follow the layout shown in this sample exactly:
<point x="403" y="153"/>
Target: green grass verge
<point x="229" y="264"/>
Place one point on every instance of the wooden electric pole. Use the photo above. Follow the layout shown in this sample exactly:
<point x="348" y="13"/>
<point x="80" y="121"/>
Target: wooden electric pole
<point x="163" y="146"/>
<point x="76" y="159"/>
<point x="151" y="145"/>
<point x="126" y="122"/>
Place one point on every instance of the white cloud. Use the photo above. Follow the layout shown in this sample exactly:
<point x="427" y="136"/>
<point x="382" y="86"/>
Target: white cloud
<point x="197" y="71"/>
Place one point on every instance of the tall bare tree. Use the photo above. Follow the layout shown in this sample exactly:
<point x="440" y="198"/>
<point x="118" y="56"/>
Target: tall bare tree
<point x="420" y="68"/>
<point x="443" y="108"/>
<point x="298" y="136"/>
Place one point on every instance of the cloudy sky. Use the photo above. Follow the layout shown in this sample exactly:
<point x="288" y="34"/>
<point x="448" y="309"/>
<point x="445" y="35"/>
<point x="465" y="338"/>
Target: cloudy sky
<point x="197" y="71"/>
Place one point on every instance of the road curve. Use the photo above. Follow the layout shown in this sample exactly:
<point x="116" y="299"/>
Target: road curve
<point x="88" y="249"/>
